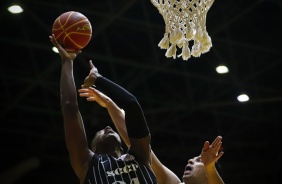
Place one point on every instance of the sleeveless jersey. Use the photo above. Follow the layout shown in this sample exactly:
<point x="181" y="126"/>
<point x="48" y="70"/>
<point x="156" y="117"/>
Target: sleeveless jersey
<point x="105" y="169"/>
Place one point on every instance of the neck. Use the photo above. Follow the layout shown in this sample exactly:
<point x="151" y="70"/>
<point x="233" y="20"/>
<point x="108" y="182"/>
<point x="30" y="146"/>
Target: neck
<point x="110" y="152"/>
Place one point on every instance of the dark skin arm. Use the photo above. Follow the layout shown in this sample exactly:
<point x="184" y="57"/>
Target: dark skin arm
<point x="75" y="136"/>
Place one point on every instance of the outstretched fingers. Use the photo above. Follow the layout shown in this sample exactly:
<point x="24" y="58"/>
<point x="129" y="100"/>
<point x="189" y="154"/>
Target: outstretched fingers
<point x="92" y="94"/>
<point x="206" y="146"/>
<point x="217" y="142"/>
<point x="217" y="139"/>
<point x="210" y="152"/>
<point x="219" y="155"/>
<point x="56" y="44"/>
<point x="88" y="93"/>
<point x="63" y="53"/>
<point x="216" y="145"/>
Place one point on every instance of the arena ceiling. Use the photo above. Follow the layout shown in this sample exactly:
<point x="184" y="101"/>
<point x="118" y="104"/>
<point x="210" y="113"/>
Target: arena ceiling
<point x="185" y="102"/>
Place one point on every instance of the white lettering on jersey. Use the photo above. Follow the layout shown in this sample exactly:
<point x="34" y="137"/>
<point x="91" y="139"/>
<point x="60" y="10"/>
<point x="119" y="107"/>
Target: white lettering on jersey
<point x="125" y="169"/>
<point x="133" y="181"/>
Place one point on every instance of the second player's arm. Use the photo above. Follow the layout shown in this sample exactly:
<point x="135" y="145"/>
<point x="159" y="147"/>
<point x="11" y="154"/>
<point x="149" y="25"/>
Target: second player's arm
<point x="163" y="174"/>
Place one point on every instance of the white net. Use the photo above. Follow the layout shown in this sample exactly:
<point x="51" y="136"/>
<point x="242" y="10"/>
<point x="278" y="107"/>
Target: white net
<point x="185" y="21"/>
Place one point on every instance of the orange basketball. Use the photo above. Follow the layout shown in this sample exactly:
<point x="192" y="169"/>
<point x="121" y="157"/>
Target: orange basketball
<point x="72" y="30"/>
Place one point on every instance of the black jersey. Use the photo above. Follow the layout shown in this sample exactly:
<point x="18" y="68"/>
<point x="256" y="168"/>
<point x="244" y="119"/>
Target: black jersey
<point x="105" y="169"/>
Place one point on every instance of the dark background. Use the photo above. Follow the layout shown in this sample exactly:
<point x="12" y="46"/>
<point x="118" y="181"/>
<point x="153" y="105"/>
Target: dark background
<point x="185" y="102"/>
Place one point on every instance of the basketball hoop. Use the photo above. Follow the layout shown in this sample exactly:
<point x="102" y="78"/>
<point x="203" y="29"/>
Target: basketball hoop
<point x="185" y="20"/>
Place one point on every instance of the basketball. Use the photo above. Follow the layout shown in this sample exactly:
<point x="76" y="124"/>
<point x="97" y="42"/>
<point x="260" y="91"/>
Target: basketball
<point x="72" y="30"/>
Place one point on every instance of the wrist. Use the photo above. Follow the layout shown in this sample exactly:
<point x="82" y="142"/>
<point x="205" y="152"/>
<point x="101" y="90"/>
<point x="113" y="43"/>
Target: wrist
<point x="94" y="78"/>
<point x="210" y="167"/>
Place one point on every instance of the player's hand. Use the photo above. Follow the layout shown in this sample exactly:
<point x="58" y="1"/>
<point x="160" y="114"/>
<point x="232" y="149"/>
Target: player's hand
<point x="63" y="53"/>
<point x="92" y="76"/>
<point x="210" y="152"/>
<point x="92" y="94"/>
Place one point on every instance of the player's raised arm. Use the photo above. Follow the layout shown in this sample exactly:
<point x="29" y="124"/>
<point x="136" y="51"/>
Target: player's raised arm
<point x="74" y="129"/>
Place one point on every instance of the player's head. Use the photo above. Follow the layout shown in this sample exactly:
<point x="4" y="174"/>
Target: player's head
<point x="107" y="141"/>
<point x="195" y="172"/>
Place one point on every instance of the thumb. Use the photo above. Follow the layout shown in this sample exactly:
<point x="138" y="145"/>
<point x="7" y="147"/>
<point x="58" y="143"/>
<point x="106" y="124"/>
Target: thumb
<point x="91" y="64"/>
<point x="206" y="146"/>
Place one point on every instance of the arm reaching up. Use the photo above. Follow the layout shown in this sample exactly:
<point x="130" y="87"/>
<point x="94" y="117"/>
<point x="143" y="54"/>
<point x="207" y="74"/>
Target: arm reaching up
<point x="209" y="155"/>
<point x="116" y="114"/>
<point x="163" y="174"/>
<point x="75" y="136"/>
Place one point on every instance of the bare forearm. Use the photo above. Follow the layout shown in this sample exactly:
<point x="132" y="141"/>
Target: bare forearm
<point x="213" y="176"/>
<point x="117" y="116"/>
<point x="67" y="86"/>
<point x="164" y="175"/>
<point x="74" y="128"/>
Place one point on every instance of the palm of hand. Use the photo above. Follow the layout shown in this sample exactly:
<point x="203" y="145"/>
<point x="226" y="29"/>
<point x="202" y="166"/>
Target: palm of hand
<point x="63" y="53"/>
<point x="208" y="156"/>
<point x="210" y="152"/>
